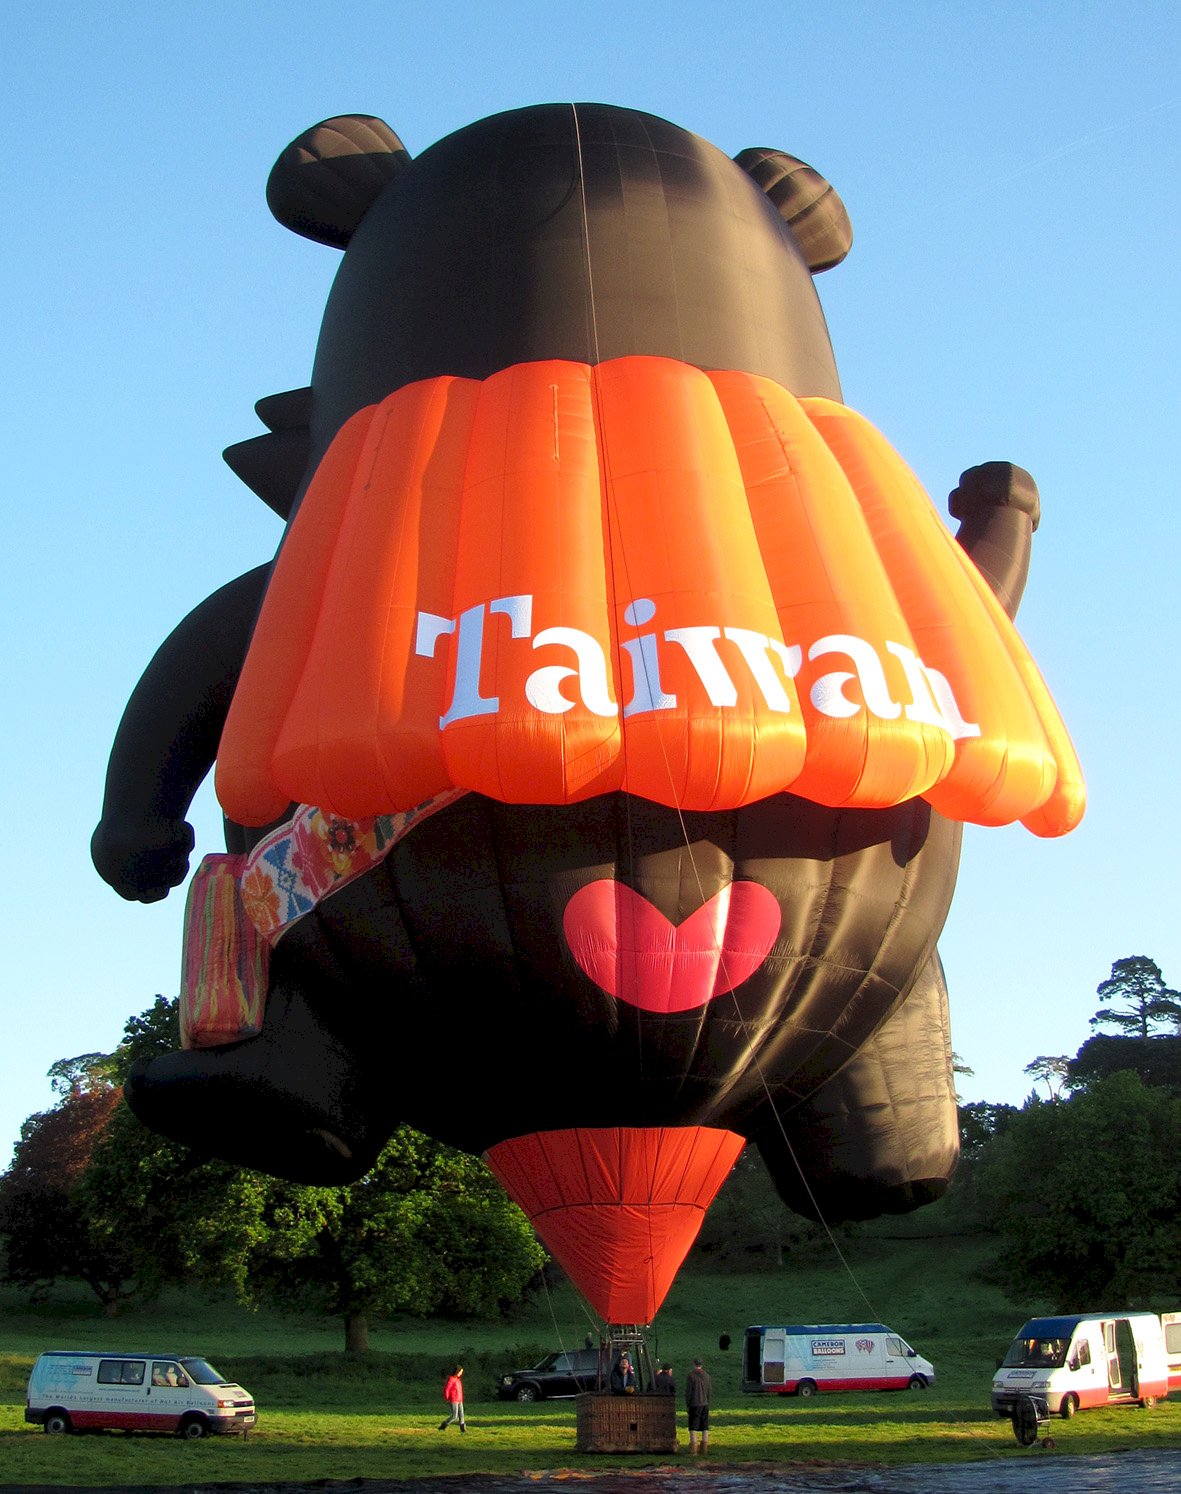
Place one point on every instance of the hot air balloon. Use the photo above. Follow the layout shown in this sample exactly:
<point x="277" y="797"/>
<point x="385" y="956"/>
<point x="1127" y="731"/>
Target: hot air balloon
<point x="596" y="748"/>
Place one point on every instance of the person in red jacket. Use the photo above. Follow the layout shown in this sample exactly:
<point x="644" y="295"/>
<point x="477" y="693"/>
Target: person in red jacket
<point x="453" y="1395"/>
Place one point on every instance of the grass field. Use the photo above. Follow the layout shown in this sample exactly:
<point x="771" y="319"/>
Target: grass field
<point x="324" y="1417"/>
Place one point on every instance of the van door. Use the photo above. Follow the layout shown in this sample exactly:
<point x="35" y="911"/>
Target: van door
<point x="774" y="1356"/>
<point x="169" y="1395"/>
<point x="122" y="1396"/>
<point x="1114" y="1378"/>
<point x="897" y="1361"/>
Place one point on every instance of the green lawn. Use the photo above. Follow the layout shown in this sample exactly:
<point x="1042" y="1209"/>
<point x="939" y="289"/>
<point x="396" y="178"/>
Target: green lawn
<point x="323" y="1417"/>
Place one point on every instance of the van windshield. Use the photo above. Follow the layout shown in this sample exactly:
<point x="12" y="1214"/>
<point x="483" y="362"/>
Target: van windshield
<point x="203" y="1372"/>
<point x="1036" y="1353"/>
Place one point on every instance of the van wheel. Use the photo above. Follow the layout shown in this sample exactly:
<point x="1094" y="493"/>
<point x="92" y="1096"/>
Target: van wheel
<point x="806" y="1388"/>
<point x="56" y="1423"/>
<point x="916" y="1382"/>
<point x="193" y="1429"/>
<point x="1149" y="1401"/>
<point x="1068" y="1407"/>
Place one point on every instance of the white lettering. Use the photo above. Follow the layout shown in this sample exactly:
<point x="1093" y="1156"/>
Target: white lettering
<point x="828" y="694"/>
<point x="543" y="687"/>
<point x="769" y="662"/>
<point x="648" y="694"/>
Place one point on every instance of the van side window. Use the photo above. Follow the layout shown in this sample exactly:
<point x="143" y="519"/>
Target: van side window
<point x="121" y="1372"/>
<point x="1083" y="1353"/>
<point x="166" y="1372"/>
<point x="894" y="1346"/>
<point x="1173" y="1337"/>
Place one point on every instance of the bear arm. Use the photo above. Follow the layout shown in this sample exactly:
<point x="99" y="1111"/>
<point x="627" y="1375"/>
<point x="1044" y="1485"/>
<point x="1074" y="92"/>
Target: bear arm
<point x="167" y="741"/>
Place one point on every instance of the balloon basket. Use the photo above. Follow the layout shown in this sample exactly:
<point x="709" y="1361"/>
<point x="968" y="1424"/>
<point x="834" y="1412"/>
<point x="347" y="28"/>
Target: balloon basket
<point x="645" y="1422"/>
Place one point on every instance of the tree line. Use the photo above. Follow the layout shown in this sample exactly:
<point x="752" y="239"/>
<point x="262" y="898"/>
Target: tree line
<point x="1081" y="1185"/>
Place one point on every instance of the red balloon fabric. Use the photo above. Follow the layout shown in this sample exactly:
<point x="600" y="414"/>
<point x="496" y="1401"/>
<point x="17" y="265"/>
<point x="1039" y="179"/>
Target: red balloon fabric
<point x="618" y="1207"/>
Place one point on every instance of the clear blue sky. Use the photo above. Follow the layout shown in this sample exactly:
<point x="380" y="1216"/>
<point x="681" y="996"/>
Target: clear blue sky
<point x="1012" y="173"/>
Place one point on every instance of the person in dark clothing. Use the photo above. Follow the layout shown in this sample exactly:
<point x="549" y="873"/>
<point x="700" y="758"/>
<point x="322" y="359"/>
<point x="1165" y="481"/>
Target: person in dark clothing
<point x="698" y="1389"/>
<point x="665" y="1381"/>
<point x="623" y="1376"/>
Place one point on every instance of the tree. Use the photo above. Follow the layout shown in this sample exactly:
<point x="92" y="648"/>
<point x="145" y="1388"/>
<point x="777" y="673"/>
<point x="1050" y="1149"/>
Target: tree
<point x="1052" y="1071"/>
<point x="980" y="1123"/>
<point x="428" y="1230"/>
<point x="1155" y="1060"/>
<point x="1085" y="1194"/>
<point x="1137" y="982"/>
<point x="44" y="1213"/>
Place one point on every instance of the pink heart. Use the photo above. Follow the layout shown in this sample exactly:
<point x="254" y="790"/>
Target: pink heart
<point x="631" y="950"/>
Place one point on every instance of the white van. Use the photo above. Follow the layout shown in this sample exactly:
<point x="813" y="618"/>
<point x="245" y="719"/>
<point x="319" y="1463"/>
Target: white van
<point x="802" y="1359"/>
<point x="1082" y="1360"/>
<point x="87" y="1392"/>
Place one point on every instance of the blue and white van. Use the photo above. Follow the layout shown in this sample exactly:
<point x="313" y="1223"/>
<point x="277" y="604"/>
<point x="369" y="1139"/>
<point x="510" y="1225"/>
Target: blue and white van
<point x="1074" y="1361"/>
<point x="84" y="1391"/>
<point x="808" y="1358"/>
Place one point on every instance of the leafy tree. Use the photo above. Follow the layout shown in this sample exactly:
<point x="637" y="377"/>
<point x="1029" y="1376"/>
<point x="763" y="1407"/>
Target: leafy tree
<point x="1155" y="1060"/>
<point x="44" y="1213"/>
<point x="1085" y="1193"/>
<point x="88" y="1071"/>
<point x="1137" y="983"/>
<point x="178" y="1215"/>
<point x="980" y="1123"/>
<point x="428" y="1230"/>
<point x="1052" y="1071"/>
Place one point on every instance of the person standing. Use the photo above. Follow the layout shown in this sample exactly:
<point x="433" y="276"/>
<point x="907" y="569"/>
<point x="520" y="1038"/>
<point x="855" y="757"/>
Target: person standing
<point x="698" y="1389"/>
<point x="453" y="1395"/>
<point x="664" y="1380"/>
<point x="623" y="1376"/>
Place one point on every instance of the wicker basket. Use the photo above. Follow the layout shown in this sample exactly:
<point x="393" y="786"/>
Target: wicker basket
<point x="626" y="1423"/>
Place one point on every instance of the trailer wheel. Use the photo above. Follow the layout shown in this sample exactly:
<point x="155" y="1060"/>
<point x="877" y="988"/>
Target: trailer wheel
<point x="57" y="1423"/>
<point x="1068" y="1407"/>
<point x="806" y="1388"/>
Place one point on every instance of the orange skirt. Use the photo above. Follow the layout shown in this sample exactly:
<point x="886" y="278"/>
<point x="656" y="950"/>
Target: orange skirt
<point x="568" y="580"/>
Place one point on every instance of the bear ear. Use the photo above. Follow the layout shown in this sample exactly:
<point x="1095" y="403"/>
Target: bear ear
<point x="327" y="180"/>
<point x="805" y="201"/>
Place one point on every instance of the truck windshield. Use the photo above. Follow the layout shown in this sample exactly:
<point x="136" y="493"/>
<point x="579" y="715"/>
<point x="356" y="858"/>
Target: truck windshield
<point x="203" y="1372"/>
<point x="1036" y="1353"/>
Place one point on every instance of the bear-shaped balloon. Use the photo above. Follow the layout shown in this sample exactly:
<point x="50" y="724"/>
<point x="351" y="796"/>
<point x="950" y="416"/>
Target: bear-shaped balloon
<point x="623" y="679"/>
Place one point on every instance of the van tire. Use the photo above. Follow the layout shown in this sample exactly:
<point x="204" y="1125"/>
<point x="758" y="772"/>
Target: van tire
<point x="57" y="1423"/>
<point x="1068" y="1407"/>
<point x="193" y="1428"/>
<point x="916" y="1382"/>
<point x="1148" y="1402"/>
<point x="806" y="1388"/>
